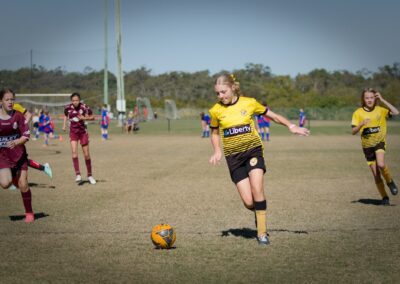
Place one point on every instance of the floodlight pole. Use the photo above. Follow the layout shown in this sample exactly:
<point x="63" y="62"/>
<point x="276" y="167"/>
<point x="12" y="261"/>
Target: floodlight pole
<point x="105" y="92"/>
<point x="121" y="107"/>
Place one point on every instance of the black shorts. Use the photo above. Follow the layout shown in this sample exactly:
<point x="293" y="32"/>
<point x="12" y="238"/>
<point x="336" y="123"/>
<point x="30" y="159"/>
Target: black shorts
<point x="240" y="166"/>
<point x="370" y="152"/>
<point x="36" y="124"/>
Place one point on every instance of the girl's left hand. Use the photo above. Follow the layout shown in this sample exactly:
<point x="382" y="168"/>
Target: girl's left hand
<point x="300" y="131"/>
<point x="12" y="144"/>
<point x="378" y="96"/>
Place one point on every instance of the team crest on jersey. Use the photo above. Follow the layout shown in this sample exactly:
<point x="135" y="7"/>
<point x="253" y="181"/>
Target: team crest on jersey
<point x="15" y="125"/>
<point x="243" y="112"/>
<point x="253" y="161"/>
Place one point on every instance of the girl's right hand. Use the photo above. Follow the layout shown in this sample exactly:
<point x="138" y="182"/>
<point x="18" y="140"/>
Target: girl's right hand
<point x="366" y="121"/>
<point x="216" y="158"/>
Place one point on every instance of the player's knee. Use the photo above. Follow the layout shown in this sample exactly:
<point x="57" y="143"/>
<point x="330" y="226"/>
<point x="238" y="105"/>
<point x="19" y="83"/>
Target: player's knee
<point x="381" y="165"/>
<point x="23" y="185"/>
<point x="5" y="183"/>
<point x="249" y="205"/>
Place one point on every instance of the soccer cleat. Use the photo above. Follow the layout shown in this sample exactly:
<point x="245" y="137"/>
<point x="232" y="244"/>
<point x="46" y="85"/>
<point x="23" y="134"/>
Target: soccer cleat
<point x="263" y="240"/>
<point x="47" y="170"/>
<point x="78" y="178"/>
<point x="393" y="188"/>
<point x="385" y="201"/>
<point x="12" y="187"/>
<point x="92" y="180"/>
<point x="29" y="217"/>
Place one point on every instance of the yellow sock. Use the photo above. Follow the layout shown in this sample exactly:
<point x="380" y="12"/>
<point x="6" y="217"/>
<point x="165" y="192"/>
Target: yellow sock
<point x="261" y="216"/>
<point x="381" y="189"/>
<point x="386" y="174"/>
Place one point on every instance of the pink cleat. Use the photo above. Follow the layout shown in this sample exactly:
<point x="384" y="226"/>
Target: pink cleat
<point x="29" y="217"/>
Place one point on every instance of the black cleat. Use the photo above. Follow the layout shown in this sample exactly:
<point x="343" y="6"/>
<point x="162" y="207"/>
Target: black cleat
<point x="393" y="188"/>
<point x="385" y="201"/>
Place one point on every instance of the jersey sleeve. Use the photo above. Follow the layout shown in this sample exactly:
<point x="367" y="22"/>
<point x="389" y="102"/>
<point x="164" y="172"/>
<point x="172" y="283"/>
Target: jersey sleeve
<point x="214" y="121"/>
<point x="66" y="111"/>
<point x="259" y="108"/>
<point x="23" y="126"/>
<point x="355" y="120"/>
<point x="385" y="112"/>
<point x="19" y="108"/>
<point x="88" y="110"/>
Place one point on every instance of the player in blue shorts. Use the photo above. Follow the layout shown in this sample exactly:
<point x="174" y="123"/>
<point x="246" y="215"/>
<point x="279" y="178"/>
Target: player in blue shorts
<point x="105" y="120"/>
<point x="263" y="123"/>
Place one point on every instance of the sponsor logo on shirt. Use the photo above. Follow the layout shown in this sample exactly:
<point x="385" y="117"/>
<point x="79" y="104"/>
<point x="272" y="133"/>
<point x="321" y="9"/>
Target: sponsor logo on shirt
<point x="371" y="130"/>
<point x="237" y="130"/>
<point x="5" y="139"/>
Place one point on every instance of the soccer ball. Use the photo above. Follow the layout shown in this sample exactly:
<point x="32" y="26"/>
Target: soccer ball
<point x="163" y="236"/>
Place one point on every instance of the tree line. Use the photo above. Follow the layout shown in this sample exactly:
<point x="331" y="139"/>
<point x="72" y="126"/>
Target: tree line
<point x="318" y="88"/>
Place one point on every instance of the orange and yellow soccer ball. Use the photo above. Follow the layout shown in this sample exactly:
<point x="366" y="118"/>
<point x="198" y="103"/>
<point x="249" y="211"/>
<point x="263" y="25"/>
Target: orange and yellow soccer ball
<point x="163" y="236"/>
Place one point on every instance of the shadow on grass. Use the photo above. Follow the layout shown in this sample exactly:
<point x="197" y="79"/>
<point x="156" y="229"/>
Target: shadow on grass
<point x="86" y="181"/>
<point x="40" y="185"/>
<point x="369" y="201"/>
<point x="252" y="234"/>
<point x="22" y="217"/>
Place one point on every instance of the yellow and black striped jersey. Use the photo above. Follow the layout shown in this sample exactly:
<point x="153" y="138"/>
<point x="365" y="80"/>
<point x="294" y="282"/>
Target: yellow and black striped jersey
<point x="19" y="108"/>
<point x="375" y="131"/>
<point x="236" y="124"/>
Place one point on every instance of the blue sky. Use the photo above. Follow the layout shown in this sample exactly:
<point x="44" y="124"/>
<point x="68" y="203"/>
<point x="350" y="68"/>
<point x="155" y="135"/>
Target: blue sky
<point x="289" y="36"/>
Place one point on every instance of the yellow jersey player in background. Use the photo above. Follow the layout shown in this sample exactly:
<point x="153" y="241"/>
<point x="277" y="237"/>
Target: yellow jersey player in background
<point x="232" y="120"/>
<point x="370" y="121"/>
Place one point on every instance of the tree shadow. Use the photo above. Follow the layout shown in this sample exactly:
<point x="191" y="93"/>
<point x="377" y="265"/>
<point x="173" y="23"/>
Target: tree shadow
<point x="41" y="185"/>
<point x="248" y="233"/>
<point x="22" y="217"/>
<point x="369" y="201"/>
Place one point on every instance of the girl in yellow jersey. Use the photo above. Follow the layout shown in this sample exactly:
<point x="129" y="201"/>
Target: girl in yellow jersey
<point x="232" y="120"/>
<point x="370" y="121"/>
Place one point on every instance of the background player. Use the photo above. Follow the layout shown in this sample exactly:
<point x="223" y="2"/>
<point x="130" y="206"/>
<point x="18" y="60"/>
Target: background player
<point x="14" y="133"/>
<point x="77" y="113"/>
<point x="205" y="124"/>
<point x="370" y="121"/>
<point x="232" y="119"/>
<point x="302" y="118"/>
<point x="105" y="120"/>
<point x="263" y="123"/>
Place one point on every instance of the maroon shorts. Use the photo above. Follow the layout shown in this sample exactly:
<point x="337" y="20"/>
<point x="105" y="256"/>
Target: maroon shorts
<point x="16" y="168"/>
<point x="82" y="137"/>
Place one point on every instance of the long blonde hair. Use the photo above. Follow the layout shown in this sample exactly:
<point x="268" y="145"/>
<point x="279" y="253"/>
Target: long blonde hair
<point x="231" y="81"/>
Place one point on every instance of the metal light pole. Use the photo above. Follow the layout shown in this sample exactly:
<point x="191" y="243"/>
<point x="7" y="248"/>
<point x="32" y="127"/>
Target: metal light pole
<point x="121" y="105"/>
<point x="105" y="92"/>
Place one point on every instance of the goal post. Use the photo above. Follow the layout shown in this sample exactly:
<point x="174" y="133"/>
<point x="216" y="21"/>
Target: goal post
<point x="54" y="103"/>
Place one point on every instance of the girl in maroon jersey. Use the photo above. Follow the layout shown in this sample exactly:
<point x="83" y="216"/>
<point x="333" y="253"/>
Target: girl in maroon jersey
<point x="77" y="113"/>
<point x="14" y="133"/>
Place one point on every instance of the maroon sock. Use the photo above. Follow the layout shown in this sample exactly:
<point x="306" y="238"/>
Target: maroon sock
<point x="89" y="167"/>
<point x="35" y="165"/>
<point x="27" y="199"/>
<point x="76" y="165"/>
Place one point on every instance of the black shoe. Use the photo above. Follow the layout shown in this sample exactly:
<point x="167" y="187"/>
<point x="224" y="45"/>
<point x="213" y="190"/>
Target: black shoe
<point x="385" y="201"/>
<point x="393" y="188"/>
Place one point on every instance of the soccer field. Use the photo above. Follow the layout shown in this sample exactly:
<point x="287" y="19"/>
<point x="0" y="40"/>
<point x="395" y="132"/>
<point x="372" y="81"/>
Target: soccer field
<point x="323" y="220"/>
